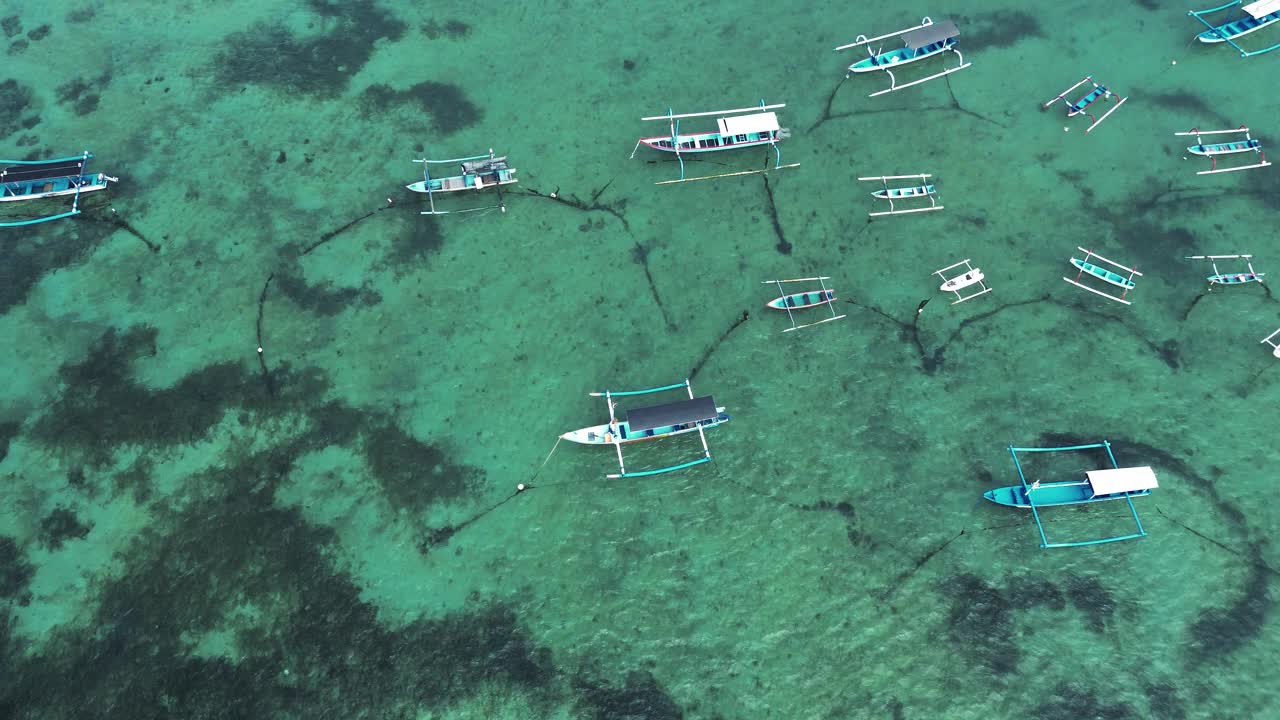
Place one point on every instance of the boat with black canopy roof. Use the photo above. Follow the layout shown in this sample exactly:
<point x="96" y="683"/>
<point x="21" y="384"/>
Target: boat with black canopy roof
<point x="31" y="180"/>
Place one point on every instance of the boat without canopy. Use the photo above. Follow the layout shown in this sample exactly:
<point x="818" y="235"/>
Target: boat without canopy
<point x="803" y="300"/>
<point x="1231" y="147"/>
<point x="479" y="172"/>
<point x="1104" y="274"/>
<point x="27" y="180"/>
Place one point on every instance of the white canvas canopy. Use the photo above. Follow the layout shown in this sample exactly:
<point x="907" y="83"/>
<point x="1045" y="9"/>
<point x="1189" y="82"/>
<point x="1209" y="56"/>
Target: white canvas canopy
<point x="1262" y="8"/>
<point x="1120" y="480"/>
<point x="743" y="124"/>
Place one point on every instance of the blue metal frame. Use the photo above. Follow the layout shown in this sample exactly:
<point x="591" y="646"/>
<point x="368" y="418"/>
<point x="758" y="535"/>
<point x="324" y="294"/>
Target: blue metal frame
<point x="1216" y="29"/>
<point x="1044" y="540"/>
<point x="608" y="395"/>
<point x="75" y="203"/>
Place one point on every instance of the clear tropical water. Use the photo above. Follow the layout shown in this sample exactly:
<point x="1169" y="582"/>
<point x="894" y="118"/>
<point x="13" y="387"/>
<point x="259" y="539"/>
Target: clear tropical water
<point x="330" y="529"/>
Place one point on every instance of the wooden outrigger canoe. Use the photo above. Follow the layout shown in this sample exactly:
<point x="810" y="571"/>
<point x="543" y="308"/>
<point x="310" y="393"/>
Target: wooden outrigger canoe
<point x="1104" y="274"/>
<point x="651" y="423"/>
<point x="26" y="180"/>
<point x="800" y="301"/>
<point x="734" y="130"/>
<point x="1116" y="483"/>
<point x="1257" y="15"/>
<point x="1230" y="278"/>
<point x="904" y="193"/>
<point x="1213" y="150"/>
<point x="476" y="173"/>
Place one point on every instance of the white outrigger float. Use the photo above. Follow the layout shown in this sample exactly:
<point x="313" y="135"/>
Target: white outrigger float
<point x="1230" y="278"/>
<point x="926" y="40"/>
<point x="652" y="423"/>
<point x="925" y="190"/>
<point x="1087" y="267"/>
<point x="801" y="300"/>
<point x="477" y="173"/>
<point x="1231" y="147"/>
<point x="970" y="277"/>
<point x="734" y="129"/>
<point x="1275" y="344"/>
<point x="1257" y="15"/>
<point x="1079" y="107"/>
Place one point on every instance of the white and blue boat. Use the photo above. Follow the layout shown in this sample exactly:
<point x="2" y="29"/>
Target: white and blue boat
<point x="1093" y="270"/>
<point x="792" y="302"/>
<point x="32" y="180"/>
<point x="1115" y="483"/>
<point x="1257" y="15"/>
<point x="1231" y="147"/>
<point x="748" y="127"/>
<point x="477" y="173"/>
<point x="927" y="40"/>
<point x="696" y="414"/>
<point x="1081" y="106"/>
<point x="923" y="190"/>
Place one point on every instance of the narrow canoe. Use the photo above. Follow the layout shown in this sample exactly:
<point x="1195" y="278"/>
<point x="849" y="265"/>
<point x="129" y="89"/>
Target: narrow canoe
<point x="1083" y="103"/>
<point x="1224" y="148"/>
<point x="1236" y="278"/>
<point x="907" y="192"/>
<point x="799" y="301"/>
<point x="1053" y="493"/>
<point x="900" y="56"/>
<point x="601" y="435"/>
<point x="709" y="141"/>
<point x="1104" y="274"/>
<point x="973" y="277"/>
<point x="506" y="176"/>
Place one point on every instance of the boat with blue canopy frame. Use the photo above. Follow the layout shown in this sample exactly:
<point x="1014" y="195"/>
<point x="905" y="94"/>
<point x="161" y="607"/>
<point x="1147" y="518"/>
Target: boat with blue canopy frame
<point x="1231" y="147"/>
<point x="651" y="423"/>
<point x="1257" y="15"/>
<point x="480" y="172"/>
<point x="27" y="180"/>
<point x="928" y="39"/>
<point x="1115" y="483"/>
<point x="734" y="130"/>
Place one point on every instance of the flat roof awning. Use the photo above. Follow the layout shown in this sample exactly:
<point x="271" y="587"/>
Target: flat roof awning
<point x="1109" y="482"/>
<point x="930" y="34"/>
<point x="743" y="124"/>
<point x="1262" y="8"/>
<point x="676" y="413"/>
<point x="43" y="171"/>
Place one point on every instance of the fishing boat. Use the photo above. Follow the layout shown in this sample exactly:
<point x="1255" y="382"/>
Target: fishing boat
<point x="1081" y="106"/>
<point x="791" y="302"/>
<point x="927" y="40"/>
<point x="1091" y="269"/>
<point x="652" y="423"/>
<point x="1104" y="274"/>
<point x="1273" y="342"/>
<point x="1231" y="147"/>
<point x="1114" y="483"/>
<point x="923" y="190"/>
<point x="29" y="180"/>
<point x="734" y="130"/>
<point x="967" y="278"/>
<point x="1257" y="15"/>
<point x="479" y="172"/>
<point x="1230" y="278"/>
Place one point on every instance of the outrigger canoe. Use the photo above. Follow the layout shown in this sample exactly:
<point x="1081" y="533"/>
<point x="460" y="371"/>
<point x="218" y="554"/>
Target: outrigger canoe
<point x="652" y="423"/>
<point x="799" y="301"/>
<point x="1104" y="274"/>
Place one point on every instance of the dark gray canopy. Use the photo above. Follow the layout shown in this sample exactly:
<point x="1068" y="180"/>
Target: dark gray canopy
<point x="676" y="413"/>
<point x="43" y="171"/>
<point x="930" y="34"/>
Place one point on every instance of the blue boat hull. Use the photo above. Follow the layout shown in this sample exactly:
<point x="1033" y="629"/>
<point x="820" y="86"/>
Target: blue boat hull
<point x="1052" y="494"/>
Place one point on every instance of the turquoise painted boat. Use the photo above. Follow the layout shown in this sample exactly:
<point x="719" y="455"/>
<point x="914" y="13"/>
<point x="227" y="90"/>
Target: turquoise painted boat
<point x="1115" y="483"/>
<point x="1226" y="148"/>
<point x="1104" y="274"/>
<point x="28" y="180"/>
<point x="799" y="301"/>
<point x="918" y="44"/>
<point x="1257" y="15"/>
<point x="1235" y="278"/>
<point x="889" y="193"/>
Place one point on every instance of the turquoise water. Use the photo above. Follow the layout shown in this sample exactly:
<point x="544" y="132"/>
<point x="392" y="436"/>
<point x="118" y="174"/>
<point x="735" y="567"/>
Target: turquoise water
<point x="330" y="528"/>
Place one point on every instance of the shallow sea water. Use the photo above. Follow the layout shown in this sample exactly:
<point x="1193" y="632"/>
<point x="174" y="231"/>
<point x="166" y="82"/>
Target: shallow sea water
<point x="331" y="528"/>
